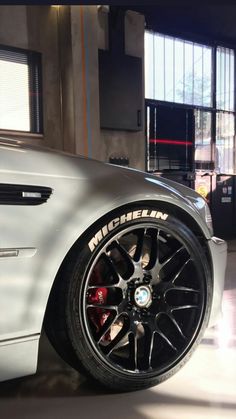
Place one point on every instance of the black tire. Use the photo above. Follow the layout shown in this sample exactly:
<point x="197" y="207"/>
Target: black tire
<point x="132" y="299"/>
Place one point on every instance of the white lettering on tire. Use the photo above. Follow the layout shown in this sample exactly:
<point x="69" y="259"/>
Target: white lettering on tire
<point x="124" y="218"/>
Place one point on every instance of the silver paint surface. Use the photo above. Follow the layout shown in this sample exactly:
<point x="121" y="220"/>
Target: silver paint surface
<point x="83" y="192"/>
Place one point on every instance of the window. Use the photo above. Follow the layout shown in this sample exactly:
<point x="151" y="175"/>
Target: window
<point x="170" y="138"/>
<point x="225" y="79"/>
<point x="203" y="130"/>
<point x="199" y="80"/>
<point x="20" y="91"/>
<point x="225" y="142"/>
<point x="177" y="71"/>
<point x="225" y="117"/>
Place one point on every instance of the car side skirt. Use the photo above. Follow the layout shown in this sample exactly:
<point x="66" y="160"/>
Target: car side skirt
<point x="18" y="357"/>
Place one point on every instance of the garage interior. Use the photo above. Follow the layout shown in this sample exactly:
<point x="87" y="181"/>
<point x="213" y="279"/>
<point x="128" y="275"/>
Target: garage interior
<point x="147" y="87"/>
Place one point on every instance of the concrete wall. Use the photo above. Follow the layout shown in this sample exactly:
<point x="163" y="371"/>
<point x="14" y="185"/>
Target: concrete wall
<point x="85" y="75"/>
<point x="66" y="81"/>
<point x="35" y="28"/>
<point x="68" y="37"/>
<point x="42" y="26"/>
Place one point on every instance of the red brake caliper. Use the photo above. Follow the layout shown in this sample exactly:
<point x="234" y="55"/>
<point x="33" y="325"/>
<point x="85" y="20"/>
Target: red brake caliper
<point x="99" y="316"/>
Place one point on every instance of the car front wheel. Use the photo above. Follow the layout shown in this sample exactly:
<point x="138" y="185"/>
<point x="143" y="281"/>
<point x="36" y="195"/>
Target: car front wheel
<point x="132" y="301"/>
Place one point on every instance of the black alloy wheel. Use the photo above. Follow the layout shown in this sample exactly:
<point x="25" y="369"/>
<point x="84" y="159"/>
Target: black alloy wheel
<point x="138" y="304"/>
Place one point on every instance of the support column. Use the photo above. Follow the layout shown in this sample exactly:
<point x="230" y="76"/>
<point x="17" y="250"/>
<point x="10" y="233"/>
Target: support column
<point x="85" y="80"/>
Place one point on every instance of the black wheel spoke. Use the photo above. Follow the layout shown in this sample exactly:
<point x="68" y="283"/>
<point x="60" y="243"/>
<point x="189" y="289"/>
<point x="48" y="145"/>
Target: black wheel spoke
<point x="151" y="349"/>
<point x="106" y="327"/>
<point x="184" y="307"/>
<point x="155" y="258"/>
<point x="111" y="265"/>
<point x="154" y="250"/>
<point x="185" y="289"/>
<point x="172" y="257"/>
<point x="166" y="339"/>
<point x="120" y="284"/>
<point x="128" y="264"/>
<point x="133" y="346"/>
<point x="180" y="271"/>
<point x="135" y="267"/>
<point x="139" y="246"/>
<point x="124" y="253"/>
<point x="176" y="324"/>
<point x="117" y="341"/>
<point x="95" y="287"/>
<point x="108" y="307"/>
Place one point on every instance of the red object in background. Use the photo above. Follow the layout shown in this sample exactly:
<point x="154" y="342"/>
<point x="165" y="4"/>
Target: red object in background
<point x="166" y="141"/>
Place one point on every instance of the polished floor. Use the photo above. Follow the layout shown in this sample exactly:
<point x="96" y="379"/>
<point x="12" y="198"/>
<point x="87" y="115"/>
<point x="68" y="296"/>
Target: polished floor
<point x="204" y="388"/>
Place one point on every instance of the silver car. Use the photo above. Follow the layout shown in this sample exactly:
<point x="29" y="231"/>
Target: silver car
<point x="119" y="266"/>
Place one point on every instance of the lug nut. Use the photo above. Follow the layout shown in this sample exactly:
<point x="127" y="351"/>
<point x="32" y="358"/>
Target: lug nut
<point x="144" y="312"/>
<point x="147" y="278"/>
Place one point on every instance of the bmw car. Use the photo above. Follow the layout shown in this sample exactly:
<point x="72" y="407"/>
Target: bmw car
<point x="120" y="267"/>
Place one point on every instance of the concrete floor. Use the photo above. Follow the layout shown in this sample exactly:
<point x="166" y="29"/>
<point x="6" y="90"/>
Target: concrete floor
<point x="204" y="388"/>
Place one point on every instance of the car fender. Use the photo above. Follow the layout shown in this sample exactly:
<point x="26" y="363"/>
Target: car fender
<point x="83" y="191"/>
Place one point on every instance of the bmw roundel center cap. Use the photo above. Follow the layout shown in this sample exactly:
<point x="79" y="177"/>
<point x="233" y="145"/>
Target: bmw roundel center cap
<point x="143" y="296"/>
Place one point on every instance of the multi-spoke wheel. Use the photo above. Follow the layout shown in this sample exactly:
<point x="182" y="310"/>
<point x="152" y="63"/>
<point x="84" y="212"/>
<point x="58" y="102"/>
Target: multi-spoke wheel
<point x="136" y="306"/>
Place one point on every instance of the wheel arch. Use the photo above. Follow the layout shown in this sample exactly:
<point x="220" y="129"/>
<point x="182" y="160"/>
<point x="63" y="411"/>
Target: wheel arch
<point x="171" y="209"/>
